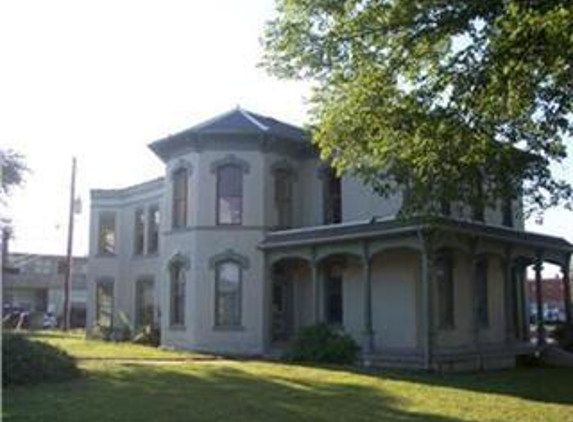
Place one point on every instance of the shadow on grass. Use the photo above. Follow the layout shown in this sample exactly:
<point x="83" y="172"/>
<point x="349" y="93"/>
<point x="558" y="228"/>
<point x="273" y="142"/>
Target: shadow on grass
<point x="542" y="384"/>
<point x="537" y="383"/>
<point x="214" y="393"/>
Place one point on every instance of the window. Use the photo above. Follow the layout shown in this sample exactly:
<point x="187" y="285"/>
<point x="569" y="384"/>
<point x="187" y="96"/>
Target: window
<point x="144" y="306"/>
<point x="507" y="213"/>
<point x="139" y="232"/>
<point x="180" y="191"/>
<point x="445" y="282"/>
<point x="229" y="194"/>
<point x="106" y="245"/>
<point x="104" y="303"/>
<point x="332" y="211"/>
<point x="482" y="293"/>
<point x="153" y="230"/>
<point x="333" y="291"/>
<point x="177" y="311"/>
<point x="283" y="197"/>
<point x="228" y="294"/>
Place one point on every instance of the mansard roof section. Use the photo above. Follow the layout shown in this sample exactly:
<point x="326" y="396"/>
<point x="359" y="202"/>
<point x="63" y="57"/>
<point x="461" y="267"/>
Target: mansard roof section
<point x="150" y="187"/>
<point x="235" y="125"/>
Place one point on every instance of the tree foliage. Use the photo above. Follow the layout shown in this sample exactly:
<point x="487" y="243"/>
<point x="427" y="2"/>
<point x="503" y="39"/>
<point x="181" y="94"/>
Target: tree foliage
<point x="13" y="170"/>
<point x="458" y="100"/>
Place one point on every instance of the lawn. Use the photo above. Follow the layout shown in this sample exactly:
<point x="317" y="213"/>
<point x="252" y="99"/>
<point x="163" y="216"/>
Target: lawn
<point x="76" y="344"/>
<point x="263" y="391"/>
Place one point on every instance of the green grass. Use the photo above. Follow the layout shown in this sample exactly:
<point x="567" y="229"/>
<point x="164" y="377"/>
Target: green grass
<point x="262" y="391"/>
<point x="76" y="344"/>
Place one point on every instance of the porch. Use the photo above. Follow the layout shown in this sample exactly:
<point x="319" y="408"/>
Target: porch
<point x="430" y="292"/>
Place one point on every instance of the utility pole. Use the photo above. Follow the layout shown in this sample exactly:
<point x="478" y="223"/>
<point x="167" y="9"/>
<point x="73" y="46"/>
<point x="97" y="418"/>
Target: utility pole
<point x="68" y="278"/>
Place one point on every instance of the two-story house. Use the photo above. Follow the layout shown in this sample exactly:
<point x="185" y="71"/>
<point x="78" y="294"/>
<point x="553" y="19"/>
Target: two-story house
<point x="249" y="236"/>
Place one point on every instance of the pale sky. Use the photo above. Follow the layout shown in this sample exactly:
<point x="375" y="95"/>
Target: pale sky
<point x="101" y="80"/>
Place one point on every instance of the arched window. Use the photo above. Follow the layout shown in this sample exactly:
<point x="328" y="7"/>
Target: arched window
<point x="230" y="194"/>
<point x="228" y="294"/>
<point x="177" y="293"/>
<point x="283" y="197"/>
<point x="179" y="197"/>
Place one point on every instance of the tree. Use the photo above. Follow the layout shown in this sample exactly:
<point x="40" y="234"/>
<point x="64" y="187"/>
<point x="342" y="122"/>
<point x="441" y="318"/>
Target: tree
<point x="12" y="172"/>
<point x="457" y="100"/>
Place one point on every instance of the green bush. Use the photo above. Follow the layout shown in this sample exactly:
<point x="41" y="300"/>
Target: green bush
<point x="563" y="334"/>
<point x="148" y="336"/>
<point x="31" y="362"/>
<point x="321" y="343"/>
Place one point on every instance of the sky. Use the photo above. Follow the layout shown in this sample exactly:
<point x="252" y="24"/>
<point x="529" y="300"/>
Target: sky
<point x="101" y="80"/>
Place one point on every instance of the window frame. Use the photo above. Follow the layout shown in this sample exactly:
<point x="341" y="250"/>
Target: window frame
<point x="219" y="197"/>
<point x="177" y="319"/>
<point x="237" y="323"/>
<point x="101" y="245"/>
<point x="139" y="232"/>
<point x="99" y="284"/>
<point x="140" y="282"/>
<point x="331" y="198"/>
<point x="151" y="233"/>
<point x="284" y="204"/>
<point x="179" y="175"/>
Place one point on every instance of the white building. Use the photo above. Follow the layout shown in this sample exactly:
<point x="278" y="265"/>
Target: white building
<point x="249" y="237"/>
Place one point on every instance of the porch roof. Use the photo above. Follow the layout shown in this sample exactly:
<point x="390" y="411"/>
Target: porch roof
<point x="392" y="227"/>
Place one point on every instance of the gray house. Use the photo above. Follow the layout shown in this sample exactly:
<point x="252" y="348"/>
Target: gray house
<point x="249" y="236"/>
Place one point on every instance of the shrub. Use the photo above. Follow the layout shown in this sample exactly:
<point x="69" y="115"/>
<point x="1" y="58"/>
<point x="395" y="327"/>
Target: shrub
<point x="148" y="336"/>
<point x="321" y="343"/>
<point x="31" y="362"/>
<point x="563" y="334"/>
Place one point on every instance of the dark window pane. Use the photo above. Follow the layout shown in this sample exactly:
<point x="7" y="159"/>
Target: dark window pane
<point x="334" y="300"/>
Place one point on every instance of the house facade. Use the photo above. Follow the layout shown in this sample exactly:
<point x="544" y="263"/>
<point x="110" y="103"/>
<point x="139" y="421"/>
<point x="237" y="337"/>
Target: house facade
<point x="249" y="237"/>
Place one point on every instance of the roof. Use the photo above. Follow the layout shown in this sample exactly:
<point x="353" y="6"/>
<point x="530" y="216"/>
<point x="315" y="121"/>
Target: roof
<point x="234" y="122"/>
<point x="379" y="228"/>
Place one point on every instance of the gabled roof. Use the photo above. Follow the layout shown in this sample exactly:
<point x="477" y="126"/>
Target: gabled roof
<point x="234" y="122"/>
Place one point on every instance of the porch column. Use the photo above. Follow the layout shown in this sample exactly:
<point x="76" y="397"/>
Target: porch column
<point x="316" y="286"/>
<point x="567" y="289"/>
<point x="368" y="329"/>
<point x="427" y="322"/>
<point x="539" y="298"/>
<point x="509" y="303"/>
